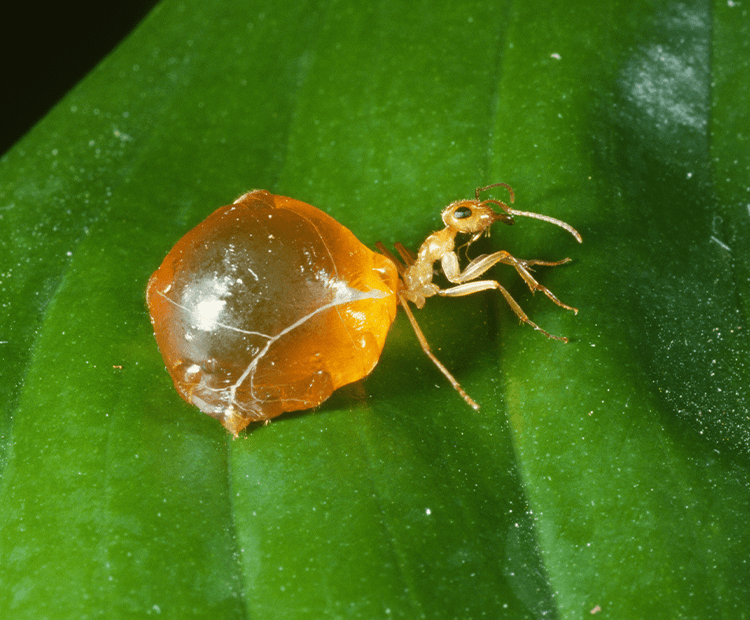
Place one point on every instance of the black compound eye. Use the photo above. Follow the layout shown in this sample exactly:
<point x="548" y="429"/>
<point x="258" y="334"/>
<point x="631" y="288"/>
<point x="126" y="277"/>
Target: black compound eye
<point x="462" y="213"/>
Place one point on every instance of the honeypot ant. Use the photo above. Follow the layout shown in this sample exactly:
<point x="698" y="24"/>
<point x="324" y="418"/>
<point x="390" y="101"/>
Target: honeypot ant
<point x="270" y="304"/>
<point x="473" y="217"/>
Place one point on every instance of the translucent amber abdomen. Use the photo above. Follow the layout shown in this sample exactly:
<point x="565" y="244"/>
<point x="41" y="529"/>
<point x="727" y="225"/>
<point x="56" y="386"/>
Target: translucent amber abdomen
<point x="268" y="306"/>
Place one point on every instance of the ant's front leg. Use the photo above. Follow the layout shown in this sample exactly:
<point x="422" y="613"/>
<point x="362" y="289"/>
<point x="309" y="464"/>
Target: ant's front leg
<point x="470" y="288"/>
<point x="481" y="264"/>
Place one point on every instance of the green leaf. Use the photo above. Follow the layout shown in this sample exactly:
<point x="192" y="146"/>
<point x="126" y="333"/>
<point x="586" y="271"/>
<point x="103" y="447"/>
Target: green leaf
<point x="605" y="477"/>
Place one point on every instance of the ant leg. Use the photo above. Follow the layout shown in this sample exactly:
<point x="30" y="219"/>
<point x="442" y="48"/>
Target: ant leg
<point x="430" y="354"/>
<point x="467" y="245"/>
<point x="388" y="254"/>
<point x="484" y="285"/>
<point x="546" y="263"/>
<point x="482" y="263"/>
<point x="521" y="268"/>
<point x="405" y="254"/>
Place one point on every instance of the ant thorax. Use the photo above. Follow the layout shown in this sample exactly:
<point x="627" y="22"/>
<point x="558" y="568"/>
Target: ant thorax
<point x="417" y="277"/>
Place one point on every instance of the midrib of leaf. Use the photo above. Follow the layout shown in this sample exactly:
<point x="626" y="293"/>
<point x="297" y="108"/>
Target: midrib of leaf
<point x="325" y="139"/>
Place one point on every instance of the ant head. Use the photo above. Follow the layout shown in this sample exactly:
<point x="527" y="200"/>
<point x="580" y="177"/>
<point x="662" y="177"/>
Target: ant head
<point x="473" y="216"/>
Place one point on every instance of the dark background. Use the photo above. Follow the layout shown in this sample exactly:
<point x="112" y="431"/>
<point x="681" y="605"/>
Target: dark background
<point x="47" y="48"/>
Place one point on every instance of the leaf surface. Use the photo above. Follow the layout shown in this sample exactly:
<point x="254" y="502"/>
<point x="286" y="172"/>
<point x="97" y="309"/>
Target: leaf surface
<point x="605" y="477"/>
